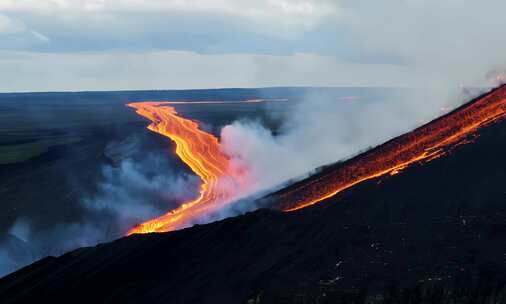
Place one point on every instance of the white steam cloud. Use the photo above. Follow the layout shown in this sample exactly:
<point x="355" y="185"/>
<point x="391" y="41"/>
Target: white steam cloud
<point x="321" y="130"/>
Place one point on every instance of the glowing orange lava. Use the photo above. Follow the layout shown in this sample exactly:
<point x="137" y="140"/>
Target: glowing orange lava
<point x="201" y="152"/>
<point x="422" y="145"/>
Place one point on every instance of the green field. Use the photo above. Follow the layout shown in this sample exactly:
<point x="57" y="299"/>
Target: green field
<point x="10" y="154"/>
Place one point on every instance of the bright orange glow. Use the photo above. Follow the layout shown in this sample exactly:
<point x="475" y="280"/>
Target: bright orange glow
<point x="201" y="152"/>
<point x="422" y="145"/>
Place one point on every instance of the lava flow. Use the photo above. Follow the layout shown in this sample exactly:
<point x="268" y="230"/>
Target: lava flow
<point x="422" y="145"/>
<point x="201" y="152"/>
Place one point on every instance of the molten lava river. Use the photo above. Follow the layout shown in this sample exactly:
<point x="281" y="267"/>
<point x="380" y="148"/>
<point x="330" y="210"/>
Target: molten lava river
<point x="201" y="152"/>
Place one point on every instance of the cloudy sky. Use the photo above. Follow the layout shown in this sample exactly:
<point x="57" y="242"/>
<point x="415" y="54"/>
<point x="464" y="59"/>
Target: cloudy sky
<point x="53" y="45"/>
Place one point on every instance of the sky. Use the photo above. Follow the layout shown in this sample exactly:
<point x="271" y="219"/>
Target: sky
<point x="62" y="45"/>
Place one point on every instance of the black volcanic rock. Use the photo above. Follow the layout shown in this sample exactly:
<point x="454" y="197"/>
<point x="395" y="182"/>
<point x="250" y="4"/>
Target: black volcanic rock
<point x="435" y="233"/>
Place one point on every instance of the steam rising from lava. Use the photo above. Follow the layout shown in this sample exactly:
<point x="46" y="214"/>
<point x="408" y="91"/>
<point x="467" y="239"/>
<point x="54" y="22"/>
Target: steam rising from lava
<point x="320" y="130"/>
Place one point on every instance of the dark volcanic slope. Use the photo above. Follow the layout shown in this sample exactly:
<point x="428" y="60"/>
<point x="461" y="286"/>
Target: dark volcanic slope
<point x="432" y="140"/>
<point x="434" y="234"/>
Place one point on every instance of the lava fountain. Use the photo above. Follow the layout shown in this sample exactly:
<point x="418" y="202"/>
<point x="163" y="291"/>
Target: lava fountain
<point x="202" y="153"/>
<point x="422" y="145"/>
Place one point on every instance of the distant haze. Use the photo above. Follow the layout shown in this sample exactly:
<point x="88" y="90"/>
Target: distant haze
<point x="50" y="45"/>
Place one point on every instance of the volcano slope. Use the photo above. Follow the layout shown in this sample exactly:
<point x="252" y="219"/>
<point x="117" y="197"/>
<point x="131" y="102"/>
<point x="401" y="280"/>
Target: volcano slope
<point x="435" y="233"/>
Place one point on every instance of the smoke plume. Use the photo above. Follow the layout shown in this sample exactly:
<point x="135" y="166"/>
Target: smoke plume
<point x="132" y="189"/>
<point x="321" y="130"/>
<point x="445" y="46"/>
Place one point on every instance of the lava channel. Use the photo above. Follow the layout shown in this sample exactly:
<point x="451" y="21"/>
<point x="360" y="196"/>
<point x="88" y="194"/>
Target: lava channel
<point x="202" y="153"/>
<point x="422" y="145"/>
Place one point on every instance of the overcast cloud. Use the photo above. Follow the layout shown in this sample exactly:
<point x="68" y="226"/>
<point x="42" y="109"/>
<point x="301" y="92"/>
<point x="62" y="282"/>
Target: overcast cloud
<point x="142" y="44"/>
